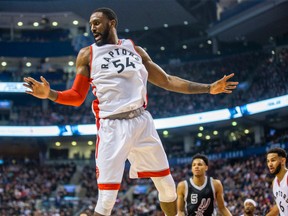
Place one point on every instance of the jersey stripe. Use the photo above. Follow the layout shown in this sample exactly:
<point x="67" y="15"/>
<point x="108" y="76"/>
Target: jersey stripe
<point x="153" y="174"/>
<point x="97" y="146"/>
<point x="108" y="186"/>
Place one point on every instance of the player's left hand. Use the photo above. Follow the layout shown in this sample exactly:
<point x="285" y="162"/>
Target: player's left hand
<point x="223" y="86"/>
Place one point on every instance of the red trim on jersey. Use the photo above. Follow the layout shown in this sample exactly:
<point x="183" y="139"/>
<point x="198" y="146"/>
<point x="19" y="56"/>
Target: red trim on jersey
<point x="97" y="146"/>
<point x="119" y="42"/>
<point x="287" y="180"/>
<point x="98" y="123"/>
<point x="134" y="46"/>
<point x="132" y="42"/>
<point x="98" y="138"/>
<point x="108" y="186"/>
<point x="96" y="109"/>
<point x="153" y="174"/>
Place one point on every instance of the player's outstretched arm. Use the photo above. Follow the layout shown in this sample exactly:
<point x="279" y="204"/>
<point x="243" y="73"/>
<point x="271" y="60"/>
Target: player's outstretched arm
<point x="74" y="96"/>
<point x="159" y="77"/>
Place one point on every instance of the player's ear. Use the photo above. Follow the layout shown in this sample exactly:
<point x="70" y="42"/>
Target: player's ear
<point x="113" y="23"/>
<point x="283" y="161"/>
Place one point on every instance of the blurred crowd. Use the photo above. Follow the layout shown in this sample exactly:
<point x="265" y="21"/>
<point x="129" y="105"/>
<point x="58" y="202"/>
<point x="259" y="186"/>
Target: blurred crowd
<point x="261" y="76"/>
<point x="28" y="188"/>
<point x="31" y="190"/>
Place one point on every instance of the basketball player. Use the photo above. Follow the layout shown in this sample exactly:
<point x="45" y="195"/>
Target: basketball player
<point x="249" y="207"/>
<point x="198" y="194"/>
<point x="276" y="162"/>
<point x="118" y="71"/>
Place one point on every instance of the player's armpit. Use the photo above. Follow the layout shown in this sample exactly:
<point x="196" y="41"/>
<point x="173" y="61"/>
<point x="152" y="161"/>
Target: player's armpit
<point x="274" y="211"/>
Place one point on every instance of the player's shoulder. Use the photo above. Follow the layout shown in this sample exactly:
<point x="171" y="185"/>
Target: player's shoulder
<point x="144" y="55"/>
<point x="214" y="180"/>
<point x="216" y="183"/>
<point x="84" y="56"/>
<point x="85" y="50"/>
<point x="182" y="184"/>
<point x="139" y="49"/>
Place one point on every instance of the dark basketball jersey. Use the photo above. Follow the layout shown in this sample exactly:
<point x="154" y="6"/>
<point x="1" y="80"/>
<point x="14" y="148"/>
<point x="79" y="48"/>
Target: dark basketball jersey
<point x="199" y="201"/>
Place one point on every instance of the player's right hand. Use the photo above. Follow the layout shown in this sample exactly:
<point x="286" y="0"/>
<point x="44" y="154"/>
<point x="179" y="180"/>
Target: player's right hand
<point x="37" y="89"/>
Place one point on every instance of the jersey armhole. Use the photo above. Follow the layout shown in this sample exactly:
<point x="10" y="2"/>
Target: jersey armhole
<point x="134" y="47"/>
<point x="213" y="188"/>
<point x="186" y="189"/>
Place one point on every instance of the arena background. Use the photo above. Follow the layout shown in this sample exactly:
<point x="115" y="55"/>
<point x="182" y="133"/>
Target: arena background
<point x="200" y="40"/>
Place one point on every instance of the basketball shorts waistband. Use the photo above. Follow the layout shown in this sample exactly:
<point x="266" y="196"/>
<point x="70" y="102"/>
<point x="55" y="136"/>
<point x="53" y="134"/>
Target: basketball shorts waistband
<point x="127" y="115"/>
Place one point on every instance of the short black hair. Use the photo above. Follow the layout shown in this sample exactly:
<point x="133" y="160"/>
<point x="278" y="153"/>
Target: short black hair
<point x="201" y="156"/>
<point x="111" y="15"/>
<point x="279" y="151"/>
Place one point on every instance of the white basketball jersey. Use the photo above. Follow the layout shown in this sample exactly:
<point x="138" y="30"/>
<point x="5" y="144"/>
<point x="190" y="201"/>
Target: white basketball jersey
<point x="118" y="78"/>
<point x="280" y="192"/>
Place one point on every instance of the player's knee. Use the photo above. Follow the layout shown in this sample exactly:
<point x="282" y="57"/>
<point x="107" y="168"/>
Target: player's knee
<point x="106" y="201"/>
<point x="166" y="188"/>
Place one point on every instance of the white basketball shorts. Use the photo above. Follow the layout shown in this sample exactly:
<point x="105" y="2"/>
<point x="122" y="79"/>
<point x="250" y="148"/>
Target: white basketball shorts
<point x="134" y="139"/>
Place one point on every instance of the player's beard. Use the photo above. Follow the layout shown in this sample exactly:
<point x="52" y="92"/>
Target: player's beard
<point x="104" y="37"/>
<point x="248" y="211"/>
<point x="277" y="170"/>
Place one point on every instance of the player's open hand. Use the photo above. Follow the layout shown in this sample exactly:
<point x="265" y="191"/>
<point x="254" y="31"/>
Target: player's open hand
<point x="223" y="85"/>
<point x="36" y="88"/>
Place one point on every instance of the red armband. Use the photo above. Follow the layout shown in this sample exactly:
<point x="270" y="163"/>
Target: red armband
<point x="77" y="94"/>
